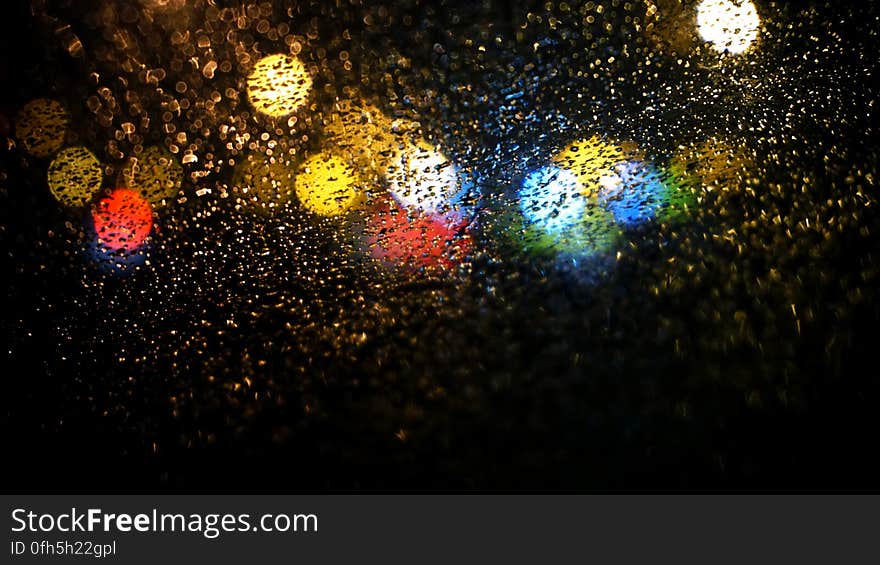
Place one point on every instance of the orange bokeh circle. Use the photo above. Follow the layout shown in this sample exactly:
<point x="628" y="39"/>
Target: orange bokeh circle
<point x="122" y="220"/>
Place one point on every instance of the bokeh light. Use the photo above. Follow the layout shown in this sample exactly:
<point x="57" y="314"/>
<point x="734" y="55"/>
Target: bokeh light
<point x="552" y="199"/>
<point x="633" y="193"/>
<point x="374" y="245"/>
<point x="327" y="185"/>
<point x="593" y="234"/>
<point x="728" y="25"/>
<point x="682" y="195"/>
<point x="263" y="183"/>
<point x="122" y="220"/>
<point x="421" y="177"/>
<point x="558" y="217"/>
<point x="365" y="135"/>
<point x="590" y="160"/>
<point x="75" y="176"/>
<point x="713" y="163"/>
<point x="41" y="126"/>
<point x="401" y="237"/>
<point x="155" y="173"/>
<point x="278" y="85"/>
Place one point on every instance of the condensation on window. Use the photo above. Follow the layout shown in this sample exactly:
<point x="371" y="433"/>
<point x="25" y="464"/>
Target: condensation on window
<point x="468" y="244"/>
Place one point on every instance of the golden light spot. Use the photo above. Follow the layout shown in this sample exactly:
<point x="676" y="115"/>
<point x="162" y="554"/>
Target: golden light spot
<point x="75" y="176"/>
<point x="421" y="177"/>
<point x="263" y="183"/>
<point x="712" y="163"/>
<point x="326" y="185"/>
<point x="278" y="85"/>
<point x="41" y="126"/>
<point x="365" y="135"/>
<point x="728" y="25"/>
<point x="155" y="174"/>
<point x="592" y="161"/>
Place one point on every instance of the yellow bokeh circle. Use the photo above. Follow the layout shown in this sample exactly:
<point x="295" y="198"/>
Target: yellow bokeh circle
<point x="75" y="176"/>
<point x="155" y="174"/>
<point x="591" y="160"/>
<point x="327" y="185"/>
<point x="264" y="183"/>
<point x="364" y="134"/>
<point x="278" y="85"/>
<point x="41" y="126"/>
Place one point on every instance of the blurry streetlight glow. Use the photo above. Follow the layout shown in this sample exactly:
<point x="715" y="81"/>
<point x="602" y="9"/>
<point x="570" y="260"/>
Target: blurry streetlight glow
<point x="728" y="25"/>
<point x="326" y="185"/>
<point x="278" y="85"/>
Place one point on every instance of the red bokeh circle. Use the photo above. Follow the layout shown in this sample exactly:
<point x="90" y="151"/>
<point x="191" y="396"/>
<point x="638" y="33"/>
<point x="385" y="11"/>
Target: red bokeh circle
<point x="122" y="220"/>
<point x="407" y="238"/>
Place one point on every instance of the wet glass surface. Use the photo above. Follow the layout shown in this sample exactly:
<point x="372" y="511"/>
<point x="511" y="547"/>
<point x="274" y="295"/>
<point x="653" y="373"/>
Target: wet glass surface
<point x="440" y="245"/>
